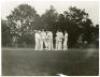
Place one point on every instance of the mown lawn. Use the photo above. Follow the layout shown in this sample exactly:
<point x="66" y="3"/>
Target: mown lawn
<point x="28" y="62"/>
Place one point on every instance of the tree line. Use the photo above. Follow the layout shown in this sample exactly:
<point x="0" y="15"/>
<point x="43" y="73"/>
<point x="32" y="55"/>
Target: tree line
<point x="18" y="29"/>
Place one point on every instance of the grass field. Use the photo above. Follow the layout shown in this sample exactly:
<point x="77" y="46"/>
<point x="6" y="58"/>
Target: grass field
<point x="28" y="62"/>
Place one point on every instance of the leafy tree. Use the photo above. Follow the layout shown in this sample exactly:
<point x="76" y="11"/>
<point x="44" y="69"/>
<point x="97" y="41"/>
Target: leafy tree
<point x="87" y="31"/>
<point x="78" y="23"/>
<point x="61" y="23"/>
<point x="26" y="40"/>
<point x="6" y="37"/>
<point x="22" y="19"/>
<point x="49" y="19"/>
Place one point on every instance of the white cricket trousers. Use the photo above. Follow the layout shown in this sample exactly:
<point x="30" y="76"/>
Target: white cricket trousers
<point x="50" y="45"/>
<point x="43" y="42"/>
<point x="65" y="47"/>
<point x="59" y="45"/>
<point x="37" y="44"/>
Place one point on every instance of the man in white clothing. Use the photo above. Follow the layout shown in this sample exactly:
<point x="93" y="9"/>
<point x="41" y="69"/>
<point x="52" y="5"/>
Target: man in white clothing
<point x="59" y="39"/>
<point x="43" y="39"/>
<point x="65" y="47"/>
<point x="37" y="40"/>
<point x="50" y="40"/>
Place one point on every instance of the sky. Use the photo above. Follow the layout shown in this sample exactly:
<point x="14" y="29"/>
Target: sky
<point x="91" y="7"/>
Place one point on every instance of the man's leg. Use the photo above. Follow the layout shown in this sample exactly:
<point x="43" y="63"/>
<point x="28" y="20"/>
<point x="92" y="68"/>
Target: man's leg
<point x="60" y="45"/>
<point x="36" y="44"/>
<point x="41" y="45"/>
<point x="46" y="44"/>
<point x="51" y="45"/>
<point x="56" y="45"/>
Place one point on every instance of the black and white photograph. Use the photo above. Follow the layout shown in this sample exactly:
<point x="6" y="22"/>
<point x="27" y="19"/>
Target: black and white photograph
<point x="50" y="38"/>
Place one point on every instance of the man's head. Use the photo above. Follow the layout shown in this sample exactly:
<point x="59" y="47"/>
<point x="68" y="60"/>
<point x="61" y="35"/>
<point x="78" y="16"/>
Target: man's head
<point x="43" y="30"/>
<point x="65" y="31"/>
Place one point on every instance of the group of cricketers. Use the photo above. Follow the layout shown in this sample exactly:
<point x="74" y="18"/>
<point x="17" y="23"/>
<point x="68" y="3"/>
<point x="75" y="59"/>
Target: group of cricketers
<point x="44" y="40"/>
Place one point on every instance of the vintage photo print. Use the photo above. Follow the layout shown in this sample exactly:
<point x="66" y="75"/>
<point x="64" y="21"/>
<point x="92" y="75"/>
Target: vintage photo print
<point x="49" y="38"/>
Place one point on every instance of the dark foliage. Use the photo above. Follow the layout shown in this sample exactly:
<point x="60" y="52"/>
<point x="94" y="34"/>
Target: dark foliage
<point x="23" y="20"/>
